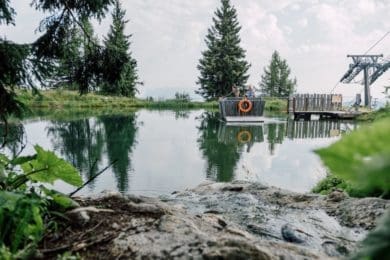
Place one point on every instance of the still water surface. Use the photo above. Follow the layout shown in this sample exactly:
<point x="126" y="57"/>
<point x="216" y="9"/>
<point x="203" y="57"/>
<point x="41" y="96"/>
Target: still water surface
<point x="159" y="152"/>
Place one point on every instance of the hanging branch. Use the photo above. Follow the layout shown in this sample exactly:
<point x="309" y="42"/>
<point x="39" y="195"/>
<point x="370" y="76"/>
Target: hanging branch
<point x="92" y="178"/>
<point x="4" y="119"/>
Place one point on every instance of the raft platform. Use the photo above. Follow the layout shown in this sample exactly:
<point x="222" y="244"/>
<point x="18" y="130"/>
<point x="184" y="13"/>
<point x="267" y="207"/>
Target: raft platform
<point x="230" y="111"/>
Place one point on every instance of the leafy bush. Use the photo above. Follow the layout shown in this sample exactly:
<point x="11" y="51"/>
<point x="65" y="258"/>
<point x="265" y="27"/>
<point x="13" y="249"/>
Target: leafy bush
<point x="25" y="202"/>
<point x="275" y="104"/>
<point x="362" y="159"/>
<point x="328" y="184"/>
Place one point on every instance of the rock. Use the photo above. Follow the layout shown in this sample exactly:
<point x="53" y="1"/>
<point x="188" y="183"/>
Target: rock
<point x="292" y="234"/>
<point x="80" y="217"/>
<point x="236" y="249"/>
<point x="324" y="226"/>
<point x="354" y="212"/>
<point x="333" y="249"/>
<point x="241" y="220"/>
<point x="233" y="188"/>
<point x="337" y="196"/>
<point x="147" y="208"/>
<point x="115" y="226"/>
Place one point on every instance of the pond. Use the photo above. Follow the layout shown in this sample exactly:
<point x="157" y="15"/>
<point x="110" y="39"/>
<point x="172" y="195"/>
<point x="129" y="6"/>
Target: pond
<point x="158" y="152"/>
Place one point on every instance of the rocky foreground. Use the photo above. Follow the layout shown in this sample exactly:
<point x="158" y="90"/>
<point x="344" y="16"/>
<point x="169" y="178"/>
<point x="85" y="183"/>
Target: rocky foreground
<point x="238" y="220"/>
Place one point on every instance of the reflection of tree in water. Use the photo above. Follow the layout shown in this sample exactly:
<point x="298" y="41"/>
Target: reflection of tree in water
<point x="275" y="135"/>
<point x="120" y="137"/>
<point x="15" y="139"/>
<point x="81" y="142"/>
<point x="182" y="114"/>
<point x="221" y="157"/>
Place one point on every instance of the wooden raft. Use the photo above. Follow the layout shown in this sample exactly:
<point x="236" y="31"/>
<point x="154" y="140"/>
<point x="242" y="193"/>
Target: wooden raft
<point x="228" y="108"/>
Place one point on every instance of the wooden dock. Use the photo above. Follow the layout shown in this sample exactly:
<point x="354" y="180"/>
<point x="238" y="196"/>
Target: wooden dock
<point x="324" y="105"/>
<point x="230" y="112"/>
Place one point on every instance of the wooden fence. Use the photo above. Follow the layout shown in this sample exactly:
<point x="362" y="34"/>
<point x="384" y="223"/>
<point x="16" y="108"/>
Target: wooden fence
<point x="313" y="103"/>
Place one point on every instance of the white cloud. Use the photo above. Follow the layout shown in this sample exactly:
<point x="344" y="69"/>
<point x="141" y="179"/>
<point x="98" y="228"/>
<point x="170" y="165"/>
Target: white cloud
<point x="303" y="22"/>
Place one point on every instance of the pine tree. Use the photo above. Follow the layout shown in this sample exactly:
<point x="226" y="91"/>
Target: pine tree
<point x="27" y="64"/>
<point x="275" y="81"/>
<point x="223" y="63"/>
<point x="120" y="74"/>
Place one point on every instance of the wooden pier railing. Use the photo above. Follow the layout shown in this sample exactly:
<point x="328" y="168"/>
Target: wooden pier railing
<point x="315" y="103"/>
<point x="324" y="105"/>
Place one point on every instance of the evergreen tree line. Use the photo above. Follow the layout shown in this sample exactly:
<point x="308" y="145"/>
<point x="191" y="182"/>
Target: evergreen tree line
<point x="223" y="63"/>
<point x="67" y="53"/>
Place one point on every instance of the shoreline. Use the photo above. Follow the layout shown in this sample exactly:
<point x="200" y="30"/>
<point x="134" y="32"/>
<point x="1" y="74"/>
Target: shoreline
<point x="65" y="99"/>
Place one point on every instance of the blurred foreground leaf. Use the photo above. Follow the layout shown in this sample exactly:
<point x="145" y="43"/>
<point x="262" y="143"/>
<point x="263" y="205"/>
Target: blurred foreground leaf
<point x="362" y="158"/>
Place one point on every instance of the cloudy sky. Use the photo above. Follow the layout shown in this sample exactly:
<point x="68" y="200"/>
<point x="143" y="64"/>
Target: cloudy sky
<point x="314" y="36"/>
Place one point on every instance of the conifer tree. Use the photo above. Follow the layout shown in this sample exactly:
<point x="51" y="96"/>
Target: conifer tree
<point x="276" y="81"/>
<point x="223" y="63"/>
<point x="27" y="64"/>
<point x="120" y="69"/>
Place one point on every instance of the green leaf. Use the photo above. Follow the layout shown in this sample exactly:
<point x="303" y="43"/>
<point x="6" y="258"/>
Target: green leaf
<point x="8" y="200"/>
<point x="23" y="159"/>
<point x="61" y="200"/>
<point x="49" y="168"/>
<point x="362" y="158"/>
<point x="3" y="159"/>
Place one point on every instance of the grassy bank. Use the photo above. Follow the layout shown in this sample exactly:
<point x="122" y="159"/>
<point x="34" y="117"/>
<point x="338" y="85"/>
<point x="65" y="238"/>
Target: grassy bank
<point x="376" y="115"/>
<point x="64" y="100"/>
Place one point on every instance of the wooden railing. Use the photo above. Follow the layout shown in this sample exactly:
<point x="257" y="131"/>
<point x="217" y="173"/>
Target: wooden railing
<point x="315" y="103"/>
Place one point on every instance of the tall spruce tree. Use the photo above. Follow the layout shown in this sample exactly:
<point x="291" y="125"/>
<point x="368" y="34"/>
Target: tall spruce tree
<point x="276" y="81"/>
<point x="120" y="69"/>
<point x="223" y="63"/>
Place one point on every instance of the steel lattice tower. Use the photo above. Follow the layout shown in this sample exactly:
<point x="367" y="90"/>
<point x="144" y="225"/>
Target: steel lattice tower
<point x="372" y="68"/>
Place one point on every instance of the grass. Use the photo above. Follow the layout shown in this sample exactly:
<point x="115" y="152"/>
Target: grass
<point x="331" y="182"/>
<point x="375" y="115"/>
<point x="275" y="104"/>
<point x="66" y="99"/>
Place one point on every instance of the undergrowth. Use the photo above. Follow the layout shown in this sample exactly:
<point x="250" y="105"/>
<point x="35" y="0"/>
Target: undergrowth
<point x="27" y="206"/>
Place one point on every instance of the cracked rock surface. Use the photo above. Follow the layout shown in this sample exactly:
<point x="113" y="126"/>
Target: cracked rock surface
<point x="238" y="220"/>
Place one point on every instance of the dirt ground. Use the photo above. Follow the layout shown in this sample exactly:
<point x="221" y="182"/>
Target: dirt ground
<point x="91" y="240"/>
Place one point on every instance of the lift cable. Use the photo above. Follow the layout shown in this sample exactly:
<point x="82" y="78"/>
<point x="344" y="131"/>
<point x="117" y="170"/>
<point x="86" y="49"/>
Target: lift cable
<point x="369" y="49"/>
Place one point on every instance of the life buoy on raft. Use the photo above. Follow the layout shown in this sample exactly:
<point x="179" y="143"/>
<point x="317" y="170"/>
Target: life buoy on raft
<point x="245" y="105"/>
<point x="244" y="137"/>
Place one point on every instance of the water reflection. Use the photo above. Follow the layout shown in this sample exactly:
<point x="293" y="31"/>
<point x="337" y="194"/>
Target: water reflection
<point x="83" y="142"/>
<point x="223" y="145"/>
<point x="221" y="157"/>
<point x="80" y="142"/>
<point x="158" y="152"/>
<point x="120" y="132"/>
<point x="13" y="139"/>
